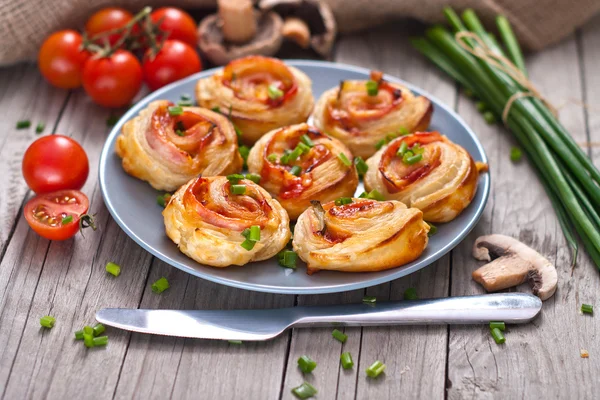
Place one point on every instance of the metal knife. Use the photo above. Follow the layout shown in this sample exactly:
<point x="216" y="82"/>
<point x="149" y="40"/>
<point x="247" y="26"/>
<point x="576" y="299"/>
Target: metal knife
<point x="512" y="308"/>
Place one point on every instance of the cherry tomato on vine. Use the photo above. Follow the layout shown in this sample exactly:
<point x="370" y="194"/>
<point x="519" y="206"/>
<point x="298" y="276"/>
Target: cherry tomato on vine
<point x="61" y="60"/>
<point x="113" y="81"/>
<point x="57" y="215"/>
<point x="108" y="19"/>
<point x="177" y="23"/>
<point x="55" y="162"/>
<point x="174" y="61"/>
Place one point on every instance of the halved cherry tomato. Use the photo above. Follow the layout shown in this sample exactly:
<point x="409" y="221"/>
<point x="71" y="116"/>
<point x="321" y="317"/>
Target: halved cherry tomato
<point x="61" y="60"/>
<point x="55" y="162"/>
<point x="108" y="19"/>
<point x="113" y="81"/>
<point x="178" y="24"/>
<point x="56" y="215"/>
<point x="174" y="61"/>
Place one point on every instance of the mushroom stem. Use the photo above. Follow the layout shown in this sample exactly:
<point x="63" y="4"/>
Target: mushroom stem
<point x="238" y="22"/>
<point x="297" y="31"/>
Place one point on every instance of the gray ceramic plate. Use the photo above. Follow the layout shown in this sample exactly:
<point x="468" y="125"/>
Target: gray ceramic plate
<point x="132" y="202"/>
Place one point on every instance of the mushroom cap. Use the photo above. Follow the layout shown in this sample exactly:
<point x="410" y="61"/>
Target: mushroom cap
<point x="512" y="263"/>
<point x="266" y="42"/>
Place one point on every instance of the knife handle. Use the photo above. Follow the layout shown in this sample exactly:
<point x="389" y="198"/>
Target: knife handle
<point x="513" y="308"/>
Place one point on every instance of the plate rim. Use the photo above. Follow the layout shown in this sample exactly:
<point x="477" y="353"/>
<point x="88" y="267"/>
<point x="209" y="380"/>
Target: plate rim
<point x="484" y="185"/>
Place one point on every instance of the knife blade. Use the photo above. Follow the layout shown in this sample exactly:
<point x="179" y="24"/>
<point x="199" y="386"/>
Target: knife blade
<point x="264" y="324"/>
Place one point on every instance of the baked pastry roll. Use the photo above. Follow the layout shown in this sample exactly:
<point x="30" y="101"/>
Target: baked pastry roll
<point x="213" y="225"/>
<point x="259" y="94"/>
<point x="298" y="164"/>
<point x="362" y="114"/>
<point x="362" y="236"/>
<point x="167" y="145"/>
<point x="427" y="171"/>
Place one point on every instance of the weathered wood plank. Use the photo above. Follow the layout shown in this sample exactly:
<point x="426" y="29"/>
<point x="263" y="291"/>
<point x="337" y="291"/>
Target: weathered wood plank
<point x="537" y="356"/>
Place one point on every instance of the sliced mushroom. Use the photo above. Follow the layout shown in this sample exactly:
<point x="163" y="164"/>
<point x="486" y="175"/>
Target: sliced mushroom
<point x="512" y="263"/>
<point x="301" y="16"/>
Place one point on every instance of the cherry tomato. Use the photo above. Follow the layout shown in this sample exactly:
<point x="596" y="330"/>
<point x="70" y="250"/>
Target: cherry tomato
<point x="178" y="24"/>
<point x="56" y="215"/>
<point x="108" y="19"/>
<point x="113" y="81"/>
<point x="174" y="61"/>
<point x="60" y="59"/>
<point x="55" y="162"/>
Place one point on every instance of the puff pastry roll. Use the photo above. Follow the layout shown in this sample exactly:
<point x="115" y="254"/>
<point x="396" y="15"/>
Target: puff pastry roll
<point x="299" y="163"/>
<point x="217" y="225"/>
<point x="362" y="236"/>
<point x="167" y="145"/>
<point x="259" y="94"/>
<point x="427" y="171"/>
<point x="363" y="113"/>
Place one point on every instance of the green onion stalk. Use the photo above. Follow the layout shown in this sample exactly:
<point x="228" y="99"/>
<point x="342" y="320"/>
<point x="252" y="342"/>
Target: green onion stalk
<point x="568" y="175"/>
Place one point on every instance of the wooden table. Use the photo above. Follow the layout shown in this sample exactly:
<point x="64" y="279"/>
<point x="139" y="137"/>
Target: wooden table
<point x="68" y="280"/>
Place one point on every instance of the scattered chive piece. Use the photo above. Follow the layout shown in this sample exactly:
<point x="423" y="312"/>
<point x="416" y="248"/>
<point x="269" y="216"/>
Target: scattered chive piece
<point x="412" y="159"/>
<point x="112" y="120"/>
<point x="498" y="325"/>
<point x="244" y="151"/>
<point x="410" y="294"/>
<point x="497" y="335"/>
<point x="185" y="103"/>
<point x="372" y="88"/>
<point x="343" y="200"/>
<point x="246" y="233"/>
<point x="66" y="220"/>
<point x="339" y="336"/>
<point x="489" y="117"/>
<point x="160" y="285"/>
<point x="235" y="341"/>
<point x="238" y="132"/>
<point x="238" y="189"/>
<point x="346" y="359"/>
<point x="179" y="132"/>
<point x="515" y="154"/>
<point x="113" y="269"/>
<point x="40" y="127"/>
<point x="253" y="177"/>
<point x="296" y="170"/>
<point x="344" y="159"/>
<point x="88" y="340"/>
<point x="88" y="330"/>
<point x="402" y="149"/>
<point x="274" y="92"/>
<point x="235" y="178"/>
<point x="375" y="369"/>
<point x="186" y="97"/>
<point x="79" y="335"/>
<point x="254" y="233"/>
<point x="287" y="259"/>
<point x="216" y="109"/>
<point x="100" y="341"/>
<point x="587" y="308"/>
<point x="293" y="156"/>
<point x="248" y="244"/>
<point x="272" y="158"/>
<point x="47" y="321"/>
<point x="304" y="148"/>
<point x="375" y="195"/>
<point x="23" y="124"/>
<point x="306" y="364"/>
<point x="307" y="140"/>
<point x="361" y="166"/>
<point x="417" y="149"/>
<point x="432" y="229"/>
<point x="304" y="391"/>
<point x="481" y="106"/>
<point x="380" y="144"/>
<point x="175" y="110"/>
<point x="369" y="299"/>
<point x="163" y="199"/>
<point x="99" y="329"/>
<point x="390" y="136"/>
<point x="403" y="131"/>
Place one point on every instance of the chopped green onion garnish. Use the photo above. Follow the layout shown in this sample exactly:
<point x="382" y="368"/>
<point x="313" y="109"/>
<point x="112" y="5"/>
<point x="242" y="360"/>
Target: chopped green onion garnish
<point x="372" y="88"/>
<point x="343" y="200"/>
<point x="432" y="229"/>
<point x="380" y="144"/>
<point x="100" y="341"/>
<point x="587" y="308"/>
<point x="369" y="299"/>
<point x="272" y="158"/>
<point x="304" y="391"/>
<point x="216" y="109"/>
<point x="344" y="159"/>
<point x="372" y="195"/>
<point x="79" y="335"/>
<point x="253" y="177"/>
<point x="238" y="132"/>
<point x="361" y="166"/>
<point x="516" y="154"/>
<point x="185" y="97"/>
<point x="179" y="132"/>
<point x="88" y="330"/>
<point x="497" y="325"/>
<point x="307" y="140"/>
<point x="244" y="151"/>
<point x="185" y="103"/>
<point x="497" y="335"/>
<point x="248" y="244"/>
<point x="160" y="285"/>
<point x="481" y="106"/>
<point x="23" y="124"/>
<point x="306" y="364"/>
<point x="238" y="189"/>
<point x="235" y="341"/>
<point x="47" y="321"/>
<point x="402" y="149"/>
<point x="99" y="329"/>
<point x="40" y="127"/>
<point x="287" y="259"/>
<point x="113" y="269"/>
<point x="403" y="131"/>
<point x="163" y="199"/>
<point x="346" y="359"/>
<point x="235" y="178"/>
<point x="304" y="148"/>
<point x="412" y="158"/>
<point x="410" y="294"/>
<point x="88" y="340"/>
<point x="175" y="110"/>
<point x="112" y="120"/>
<point x="66" y="220"/>
<point x="254" y="233"/>
<point x="375" y="369"/>
<point x="274" y="92"/>
<point x="296" y="170"/>
<point x="489" y="117"/>
<point x="417" y="149"/>
<point x="246" y="233"/>
<point x="339" y="336"/>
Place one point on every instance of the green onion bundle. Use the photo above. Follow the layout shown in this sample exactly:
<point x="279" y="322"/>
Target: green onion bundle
<point x="567" y="174"/>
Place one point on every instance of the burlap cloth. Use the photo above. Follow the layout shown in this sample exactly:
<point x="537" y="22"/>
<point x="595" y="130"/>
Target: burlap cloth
<point x="25" y="23"/>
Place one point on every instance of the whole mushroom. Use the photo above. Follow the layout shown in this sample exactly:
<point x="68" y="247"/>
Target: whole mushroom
<point x="512" y="263"/>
